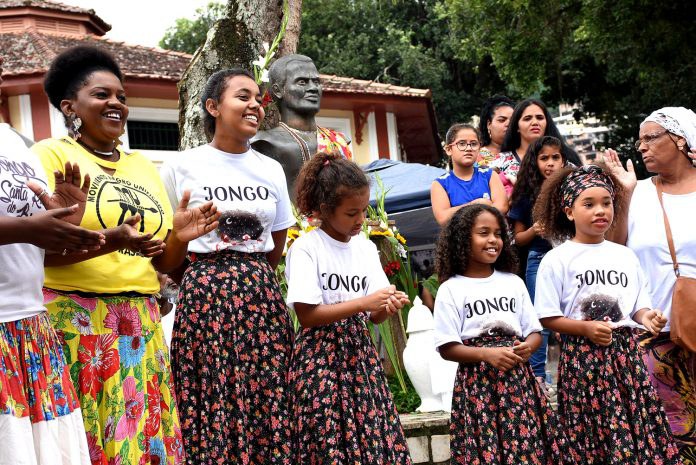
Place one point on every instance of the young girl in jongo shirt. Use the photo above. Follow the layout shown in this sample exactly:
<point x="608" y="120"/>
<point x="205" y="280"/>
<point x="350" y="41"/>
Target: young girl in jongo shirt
<point x="593" y="292"/>
<point x="485" y="320"/>
<point x="341" y="409"/>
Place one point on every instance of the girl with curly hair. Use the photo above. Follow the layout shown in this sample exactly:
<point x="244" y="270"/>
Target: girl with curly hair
<point x="341" y="408"/>
<point x="593" y="292"/>
<point x="544" y="157"/>
<point x="485" y="321"/>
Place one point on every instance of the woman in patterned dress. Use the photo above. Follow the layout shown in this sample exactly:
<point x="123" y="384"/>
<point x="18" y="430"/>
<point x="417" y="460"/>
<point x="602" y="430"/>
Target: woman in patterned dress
<point x="103" y="307"/>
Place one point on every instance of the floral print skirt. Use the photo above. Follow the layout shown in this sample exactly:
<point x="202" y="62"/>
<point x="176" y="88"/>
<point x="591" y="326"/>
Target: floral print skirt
<point x="119" y="363"/>
<point x="342" y="409"/>
<point x="673" y="374"/>
<point x="608" y="409"/>
<point x="500" y="417"/>
<point x="40" y="418"/>
<point x="231" y="347"/>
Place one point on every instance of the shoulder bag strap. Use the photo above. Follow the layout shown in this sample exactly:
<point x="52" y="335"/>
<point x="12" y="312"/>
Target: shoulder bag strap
<point x="668" y="229"/>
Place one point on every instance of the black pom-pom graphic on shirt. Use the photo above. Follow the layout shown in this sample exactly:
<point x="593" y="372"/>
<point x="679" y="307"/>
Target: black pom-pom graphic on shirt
<point x="600" y="307"/>
<point x="497" y="328"/>
<point x="240" y="226"/>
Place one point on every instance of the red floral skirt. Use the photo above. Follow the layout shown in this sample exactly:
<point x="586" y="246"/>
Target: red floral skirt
<point x="607" y="407"/>
<point x="500" y="417"/>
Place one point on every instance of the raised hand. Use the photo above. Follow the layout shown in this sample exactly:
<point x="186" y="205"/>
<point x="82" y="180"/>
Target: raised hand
<point x="70" y="190"/>
<point x="129" y="238"/>
<point x="654" y="321"/>
<point x="49" y="230"/>
<point x="192" y="223"/>
<point x="626" y="176"/>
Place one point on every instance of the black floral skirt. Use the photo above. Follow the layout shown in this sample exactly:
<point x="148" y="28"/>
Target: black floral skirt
<point x="607" y="407"/>
<point x="231" y="350"/>
<point x="342" y="409"/>
<point x="500" y="417"/>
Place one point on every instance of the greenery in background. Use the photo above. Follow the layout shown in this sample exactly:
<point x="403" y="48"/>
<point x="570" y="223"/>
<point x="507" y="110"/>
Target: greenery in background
<point x="406" y="401"/>
<point x="401" y="42"/>
<point x="617" y="60"/>
<point x="188" y="34"/>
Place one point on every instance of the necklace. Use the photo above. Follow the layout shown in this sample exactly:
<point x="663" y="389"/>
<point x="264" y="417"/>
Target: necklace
<point x="304" y="147"/>
<point x="98" y="152"/>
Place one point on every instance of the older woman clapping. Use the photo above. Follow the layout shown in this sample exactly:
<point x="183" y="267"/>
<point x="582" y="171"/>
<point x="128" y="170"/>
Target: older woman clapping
<point x="666" y="141"/>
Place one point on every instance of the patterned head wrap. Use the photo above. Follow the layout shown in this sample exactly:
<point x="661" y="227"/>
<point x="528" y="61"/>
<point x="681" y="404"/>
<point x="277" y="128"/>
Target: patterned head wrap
<point x="677" y="120"/>
<point x="581" y="179"/>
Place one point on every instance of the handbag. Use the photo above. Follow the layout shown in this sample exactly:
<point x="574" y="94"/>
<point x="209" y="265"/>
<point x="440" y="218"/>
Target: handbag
<point x="683" y="315"/>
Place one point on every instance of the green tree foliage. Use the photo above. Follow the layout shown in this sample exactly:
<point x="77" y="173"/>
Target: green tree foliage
<point x="402" y="42"/>
<point x="189" y="34"/>
<point x="619" y="60"/>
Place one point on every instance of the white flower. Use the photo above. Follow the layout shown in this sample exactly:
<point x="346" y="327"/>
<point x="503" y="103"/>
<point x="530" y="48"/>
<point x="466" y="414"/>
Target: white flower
<point x="383" y="225"/>
<point x="264" y="76"/>
<point x="82" y="323"/>
<point x="401" y="251"/>
<point x="265" y="46"/>
<point x="260" y="62"/>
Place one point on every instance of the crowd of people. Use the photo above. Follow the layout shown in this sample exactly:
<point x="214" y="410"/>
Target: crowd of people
<point x="88" y="230"/>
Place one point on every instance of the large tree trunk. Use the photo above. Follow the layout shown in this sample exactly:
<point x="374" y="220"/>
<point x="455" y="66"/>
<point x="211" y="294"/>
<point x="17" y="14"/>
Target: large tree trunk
<point x="235" y="40"/>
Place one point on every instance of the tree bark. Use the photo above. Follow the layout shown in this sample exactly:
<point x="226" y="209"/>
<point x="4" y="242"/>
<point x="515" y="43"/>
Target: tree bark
<point x="235" y="40"/>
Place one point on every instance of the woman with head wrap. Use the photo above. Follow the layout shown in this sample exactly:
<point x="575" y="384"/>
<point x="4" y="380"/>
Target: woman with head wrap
<point x="667" y="143"/>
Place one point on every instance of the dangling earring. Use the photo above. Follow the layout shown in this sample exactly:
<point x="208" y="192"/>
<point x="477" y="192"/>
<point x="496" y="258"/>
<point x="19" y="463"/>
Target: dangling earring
<point x="76" y="124"/>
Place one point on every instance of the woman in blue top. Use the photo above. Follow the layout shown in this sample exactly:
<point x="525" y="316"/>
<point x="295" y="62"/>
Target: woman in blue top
<point x="465" y="183"/>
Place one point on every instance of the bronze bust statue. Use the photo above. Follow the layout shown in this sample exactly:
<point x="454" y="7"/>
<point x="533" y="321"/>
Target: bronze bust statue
<point x="295" y="87"/>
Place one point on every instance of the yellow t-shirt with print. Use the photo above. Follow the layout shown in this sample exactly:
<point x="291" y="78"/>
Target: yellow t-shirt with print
<point x="134" y="187"/>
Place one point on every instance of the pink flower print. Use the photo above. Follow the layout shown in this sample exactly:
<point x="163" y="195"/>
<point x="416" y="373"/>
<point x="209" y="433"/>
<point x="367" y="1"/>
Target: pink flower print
<point x="49" y="296"/>
<point x="153" y="309"/>
<point x="95" y="451"/>
<point x="82" y="323"/>
<point x="85" y="302"/>
<point x="123" y="320"/>
<point x="134" y="401"/>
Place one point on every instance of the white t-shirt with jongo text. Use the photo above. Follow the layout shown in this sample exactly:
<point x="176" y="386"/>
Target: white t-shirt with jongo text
<point x="21" y="265"/>
<point x="593" y="282"/>
<point x="322" y="270"/>
<point x="248" y="188"/>
<point x="466" y="308"/>
<point x="648" y="239"/>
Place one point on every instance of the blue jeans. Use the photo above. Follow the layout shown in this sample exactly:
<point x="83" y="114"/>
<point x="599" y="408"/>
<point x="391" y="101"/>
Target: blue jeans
<point x="538" y="358"/>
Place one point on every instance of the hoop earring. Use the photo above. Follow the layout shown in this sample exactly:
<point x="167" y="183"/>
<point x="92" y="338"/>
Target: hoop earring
<point x="76" y="124"/>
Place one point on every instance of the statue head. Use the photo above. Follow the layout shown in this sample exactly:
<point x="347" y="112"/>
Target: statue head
<point x="295" y="85"/>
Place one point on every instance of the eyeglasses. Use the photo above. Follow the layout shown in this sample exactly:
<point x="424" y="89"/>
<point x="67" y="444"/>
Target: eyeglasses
<point x="649" y="139"/>
<point x="462" y="144"/>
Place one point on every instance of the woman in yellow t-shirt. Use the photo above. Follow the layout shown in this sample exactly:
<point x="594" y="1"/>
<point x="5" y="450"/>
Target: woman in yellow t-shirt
<point x="104" y="307"/>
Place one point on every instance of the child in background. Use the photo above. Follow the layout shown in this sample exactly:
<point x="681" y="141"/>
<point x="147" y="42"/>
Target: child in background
<point x="544" y="157"/>
<point x="485" y="320"/>
<point x="593" y="292"/>
<point x="465" y="183"/>
<point x="341" y="408"/>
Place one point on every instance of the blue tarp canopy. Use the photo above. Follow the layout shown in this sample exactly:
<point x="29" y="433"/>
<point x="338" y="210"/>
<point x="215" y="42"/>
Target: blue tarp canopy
<point x="408" y="198"/>
<point x="408" y="184"/>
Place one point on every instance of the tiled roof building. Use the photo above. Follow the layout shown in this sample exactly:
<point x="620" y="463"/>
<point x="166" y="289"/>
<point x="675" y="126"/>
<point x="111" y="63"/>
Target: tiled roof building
<point x="382" y="120"/>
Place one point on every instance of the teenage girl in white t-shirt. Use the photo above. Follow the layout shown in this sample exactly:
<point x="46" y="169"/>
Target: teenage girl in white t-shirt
<point x="484" y="319"/>
<point x="593" y="292"/>
<point x="341" y="408"/>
